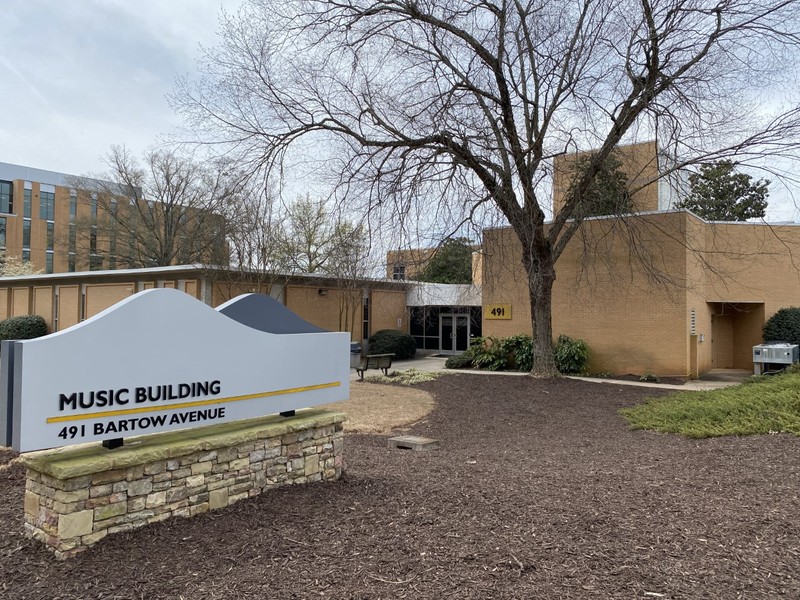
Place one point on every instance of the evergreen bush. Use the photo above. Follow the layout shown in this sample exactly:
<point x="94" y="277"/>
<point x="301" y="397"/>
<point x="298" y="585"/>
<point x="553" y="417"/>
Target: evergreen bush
<point x="783" y="326"/>
<point x="572" y="356"/>
<point x="391" y="341"/>
<point x="459" y="361"/>
<point x="487" y="354"/>
<point x="518" y="352"/>
<point x="25" y="327"/>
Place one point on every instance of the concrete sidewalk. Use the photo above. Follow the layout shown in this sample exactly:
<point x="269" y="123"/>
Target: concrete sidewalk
<point x="715" y="379"/>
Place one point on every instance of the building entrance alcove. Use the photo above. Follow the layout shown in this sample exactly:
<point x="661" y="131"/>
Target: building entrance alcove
<point x="735" y="328"/>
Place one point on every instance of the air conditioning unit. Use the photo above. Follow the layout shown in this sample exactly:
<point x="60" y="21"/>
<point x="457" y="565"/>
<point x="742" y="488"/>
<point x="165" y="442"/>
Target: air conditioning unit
<point x="776" y="353"/>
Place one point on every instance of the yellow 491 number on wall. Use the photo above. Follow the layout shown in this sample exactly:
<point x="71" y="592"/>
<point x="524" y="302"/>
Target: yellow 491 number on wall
<point x="497" y="311"/>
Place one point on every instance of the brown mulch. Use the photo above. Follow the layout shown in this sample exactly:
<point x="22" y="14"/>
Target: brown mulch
<point x="538" y="491"/>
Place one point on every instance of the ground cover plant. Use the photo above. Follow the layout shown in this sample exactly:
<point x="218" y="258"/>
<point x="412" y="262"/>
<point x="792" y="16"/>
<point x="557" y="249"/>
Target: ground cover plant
<point x="406" y="377"/>
<point x="767" y="405"/>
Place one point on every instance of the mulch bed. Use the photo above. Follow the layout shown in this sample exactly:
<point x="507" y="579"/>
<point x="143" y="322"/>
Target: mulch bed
<point x="539" y="491"/>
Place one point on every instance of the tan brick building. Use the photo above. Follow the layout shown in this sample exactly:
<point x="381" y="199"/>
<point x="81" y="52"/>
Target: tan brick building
<point x="659" y="291"/>
<point x="44" y="220"/>
<point x="641" y="163"/>
<point x="362" y="308"/>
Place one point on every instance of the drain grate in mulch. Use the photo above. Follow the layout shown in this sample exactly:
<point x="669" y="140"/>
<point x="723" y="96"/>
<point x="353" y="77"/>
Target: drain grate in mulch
<point x="417" y="443"/>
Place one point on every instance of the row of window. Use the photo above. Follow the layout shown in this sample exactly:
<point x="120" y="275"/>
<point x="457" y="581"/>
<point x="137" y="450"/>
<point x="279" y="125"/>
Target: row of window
<point x="6" y="197"/>
<point x="26" y="241"/>
<point x="47" y="200"/>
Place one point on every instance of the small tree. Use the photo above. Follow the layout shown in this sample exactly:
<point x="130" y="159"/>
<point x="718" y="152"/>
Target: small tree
<point x="253" y="222"/>
<point x="14" y="266"/>
<point x="451" y="263"/>
<point x="608" y="193"/>
<point x="720" y="193"/>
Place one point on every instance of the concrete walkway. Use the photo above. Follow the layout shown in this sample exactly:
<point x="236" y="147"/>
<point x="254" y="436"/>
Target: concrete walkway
<point x="714" y="379"/>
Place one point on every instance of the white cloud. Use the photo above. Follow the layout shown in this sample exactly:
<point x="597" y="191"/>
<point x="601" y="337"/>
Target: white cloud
<point x="82" y="75"/>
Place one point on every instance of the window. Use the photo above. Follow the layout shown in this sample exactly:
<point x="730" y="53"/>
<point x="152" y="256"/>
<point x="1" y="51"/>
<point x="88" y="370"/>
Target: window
<point x="47" y="204"/>
<point x="93" y="240"/>
<point x="71" y="262"/>
<point x="73" y="205"/>
<point x="26" y="256"/>
<point x="26" y="234"/>
<point x="112" y="241"/>
<point x="48" y="262"/>
<point x="399" y="271"/>
<point x="6" y="197"/>
<point x="365" y="325"/>
<point x="2" y="232"/>
<point x="26" y="201"/>
<point x="95" y="262"/>
<point x="50" y="235"/>
<point x="93" y="207"/>
<point x="73" y="238"/>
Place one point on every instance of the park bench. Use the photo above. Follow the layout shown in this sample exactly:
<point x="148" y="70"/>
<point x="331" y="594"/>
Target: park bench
<point x="375" y="361"/>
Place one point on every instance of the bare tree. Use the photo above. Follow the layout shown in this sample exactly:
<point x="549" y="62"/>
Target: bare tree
<point x="164" y="212"/>
<point x="253" y="226"/>
<point x="461" y="104"/>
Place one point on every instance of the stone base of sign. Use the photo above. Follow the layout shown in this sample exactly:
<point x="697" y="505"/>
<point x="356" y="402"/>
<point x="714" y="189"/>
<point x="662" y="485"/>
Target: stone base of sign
<point x="77" y="496"/>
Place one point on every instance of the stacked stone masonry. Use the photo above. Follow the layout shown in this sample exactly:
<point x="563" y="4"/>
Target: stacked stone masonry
<point x="76" y="497"/>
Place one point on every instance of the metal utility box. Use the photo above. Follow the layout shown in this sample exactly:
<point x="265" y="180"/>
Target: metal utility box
<point x="774" y="354"/>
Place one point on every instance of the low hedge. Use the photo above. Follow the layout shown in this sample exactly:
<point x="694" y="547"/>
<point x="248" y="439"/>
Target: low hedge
<point x="25" y="327"/>
<point x="459" y="361"/>
<point x="391" y="341"/>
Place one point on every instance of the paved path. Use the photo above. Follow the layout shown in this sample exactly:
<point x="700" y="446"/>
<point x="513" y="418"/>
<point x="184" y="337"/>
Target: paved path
<point x="715" y="379"/>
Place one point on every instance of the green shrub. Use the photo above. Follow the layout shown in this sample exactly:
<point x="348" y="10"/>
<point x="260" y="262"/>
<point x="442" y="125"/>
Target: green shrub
<point x="518" y="350"/>
<point x="783" y="326"/>
<point x="459" y="361"/>
<point x="391" y="341"/>
<point x="487" y="354"/>
<point x="25" y="327"/>
<point x="649" y="377"/>
<point x="571" y="356"/>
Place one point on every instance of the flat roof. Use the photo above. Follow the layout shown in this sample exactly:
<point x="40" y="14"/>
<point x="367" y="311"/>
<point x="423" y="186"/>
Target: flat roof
<point x="191" y="268"/>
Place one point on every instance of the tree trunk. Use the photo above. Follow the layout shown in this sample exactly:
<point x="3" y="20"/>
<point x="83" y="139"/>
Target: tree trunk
<point x="540" y="284"/>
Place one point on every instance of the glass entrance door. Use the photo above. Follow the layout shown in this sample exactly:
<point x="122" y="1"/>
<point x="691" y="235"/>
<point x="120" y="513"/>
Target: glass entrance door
<point x="453" y="333"/>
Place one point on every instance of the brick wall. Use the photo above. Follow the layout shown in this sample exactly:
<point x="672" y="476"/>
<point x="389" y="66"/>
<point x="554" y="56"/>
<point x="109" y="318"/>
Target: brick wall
<point x="637" y="319"/>
<point x="387" y="310"/>
<point x="639" y="162"/>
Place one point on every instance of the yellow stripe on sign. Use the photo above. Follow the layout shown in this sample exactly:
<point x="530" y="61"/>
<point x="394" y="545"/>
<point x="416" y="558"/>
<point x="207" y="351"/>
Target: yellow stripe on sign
<point x="133" y="411"/>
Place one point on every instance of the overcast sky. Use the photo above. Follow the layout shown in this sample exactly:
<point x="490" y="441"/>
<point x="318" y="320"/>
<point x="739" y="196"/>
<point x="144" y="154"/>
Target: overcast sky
<point x="81" y="75"/>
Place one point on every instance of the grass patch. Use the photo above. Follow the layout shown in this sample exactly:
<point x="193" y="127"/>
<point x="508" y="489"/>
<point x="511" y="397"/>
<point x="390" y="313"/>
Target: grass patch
<point x="407" y="377"/>
<point x="770" y="405"/>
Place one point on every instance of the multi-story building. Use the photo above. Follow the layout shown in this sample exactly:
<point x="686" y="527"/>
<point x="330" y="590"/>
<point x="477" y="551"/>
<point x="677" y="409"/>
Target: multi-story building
<point x="63" y="223"/>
